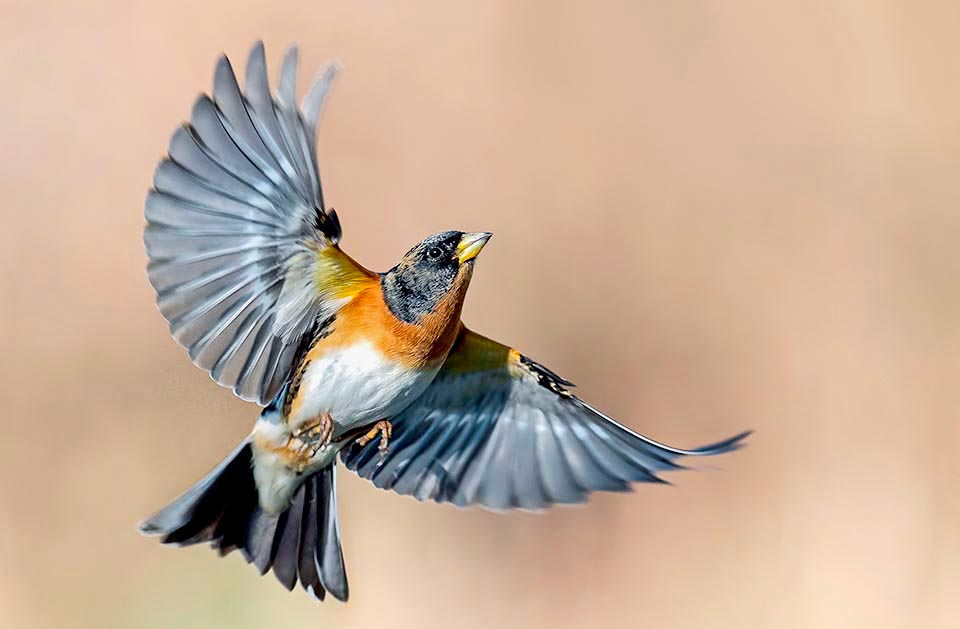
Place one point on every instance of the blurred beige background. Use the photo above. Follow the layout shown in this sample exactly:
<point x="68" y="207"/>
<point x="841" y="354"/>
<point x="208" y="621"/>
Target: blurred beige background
<point x="711" y="215"/>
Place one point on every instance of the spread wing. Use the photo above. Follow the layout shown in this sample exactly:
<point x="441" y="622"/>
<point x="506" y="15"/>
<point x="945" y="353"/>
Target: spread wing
<point x="502" y="431"/>
<point x="242" y="253"/>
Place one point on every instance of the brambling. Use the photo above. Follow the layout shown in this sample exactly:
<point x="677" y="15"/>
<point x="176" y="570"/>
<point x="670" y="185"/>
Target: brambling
<point x="374" y="367"/>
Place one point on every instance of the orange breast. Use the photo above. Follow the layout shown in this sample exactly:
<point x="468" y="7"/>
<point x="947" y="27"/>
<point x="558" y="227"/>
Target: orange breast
<point x="417" y="345"/>
<point x="367" y="319"/>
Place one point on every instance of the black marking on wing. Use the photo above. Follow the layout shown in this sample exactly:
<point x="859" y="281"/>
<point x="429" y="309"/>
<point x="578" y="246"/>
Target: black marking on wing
<point x="546" y="377"/>
<point x="327" y="222"/>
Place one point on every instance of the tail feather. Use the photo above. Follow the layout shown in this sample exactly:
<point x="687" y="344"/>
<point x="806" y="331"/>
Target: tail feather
<point x="302" y="543"/>
<point x="309" y="537"/>
<point x="287" y="541"/>
<point x="260" y="542"/>
<point x="183" y="521"/>
<point x="329" y="554"/>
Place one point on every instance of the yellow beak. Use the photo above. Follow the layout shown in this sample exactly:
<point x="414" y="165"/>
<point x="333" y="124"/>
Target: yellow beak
<point x="471" y="244"/>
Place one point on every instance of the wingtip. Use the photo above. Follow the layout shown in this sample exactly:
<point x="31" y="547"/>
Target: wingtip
<point x="328" y="73"/>
<point x="256" y="59"/>
<point x="148" y="528"/>
<point x="313" y="102"/>
<point x="727" y="445"/>
<point x="221" y="70"/>
<point x="152" y="528"/>
<point x="287" y="88"/>
<point x="334" y="66"/>
<point x="291" y="60"/>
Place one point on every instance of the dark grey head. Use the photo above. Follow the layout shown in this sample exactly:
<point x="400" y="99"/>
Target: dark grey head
<point x="429" y="271"/>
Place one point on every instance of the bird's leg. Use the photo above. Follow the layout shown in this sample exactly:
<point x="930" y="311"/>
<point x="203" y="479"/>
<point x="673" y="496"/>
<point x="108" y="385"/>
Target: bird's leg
<point x="383" y="428"/>
<point x="307" y="439"/>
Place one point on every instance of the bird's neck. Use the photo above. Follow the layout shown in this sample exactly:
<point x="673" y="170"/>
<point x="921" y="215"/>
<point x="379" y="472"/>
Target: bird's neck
<point x="430" y="336"/>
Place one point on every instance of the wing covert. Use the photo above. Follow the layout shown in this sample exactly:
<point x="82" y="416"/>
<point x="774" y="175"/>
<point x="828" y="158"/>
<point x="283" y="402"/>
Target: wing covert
<point x="500" y="430"/>
<point x="242" y="252"/>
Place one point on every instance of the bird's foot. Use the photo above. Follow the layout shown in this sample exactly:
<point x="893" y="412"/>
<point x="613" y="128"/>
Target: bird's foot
<point x="383" y="428"/>
<point x="307" y="440"/>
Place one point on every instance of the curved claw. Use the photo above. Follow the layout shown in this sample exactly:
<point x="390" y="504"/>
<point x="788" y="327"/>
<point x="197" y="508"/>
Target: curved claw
<point x="312" y="436"/>
<point x="383" y="428"/>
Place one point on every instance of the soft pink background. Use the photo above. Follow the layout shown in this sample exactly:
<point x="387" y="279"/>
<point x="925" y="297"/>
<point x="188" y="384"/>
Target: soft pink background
<point x="711" y="215"/>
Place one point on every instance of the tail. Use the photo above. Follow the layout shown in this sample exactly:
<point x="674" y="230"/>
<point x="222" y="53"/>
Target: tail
<point x="223" y="509"/>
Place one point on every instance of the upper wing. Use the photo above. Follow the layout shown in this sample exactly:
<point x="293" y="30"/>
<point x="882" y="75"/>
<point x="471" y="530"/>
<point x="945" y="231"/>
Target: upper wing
<point x="243" y="254"/>
<point x="502" y="431"/>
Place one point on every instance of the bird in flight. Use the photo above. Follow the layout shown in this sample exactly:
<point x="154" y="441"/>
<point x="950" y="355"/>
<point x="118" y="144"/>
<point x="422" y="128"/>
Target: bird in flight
<point x="376" y="368"/>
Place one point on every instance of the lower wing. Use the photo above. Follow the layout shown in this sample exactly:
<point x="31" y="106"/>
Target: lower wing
<point x="500" y="430"/>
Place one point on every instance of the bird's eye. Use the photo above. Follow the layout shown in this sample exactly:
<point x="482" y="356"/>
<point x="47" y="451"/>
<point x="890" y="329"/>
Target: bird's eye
<point x="434" y="252"/>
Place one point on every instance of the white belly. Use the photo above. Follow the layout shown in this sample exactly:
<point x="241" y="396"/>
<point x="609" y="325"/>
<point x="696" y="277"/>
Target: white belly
<point x="357" y="385"/>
